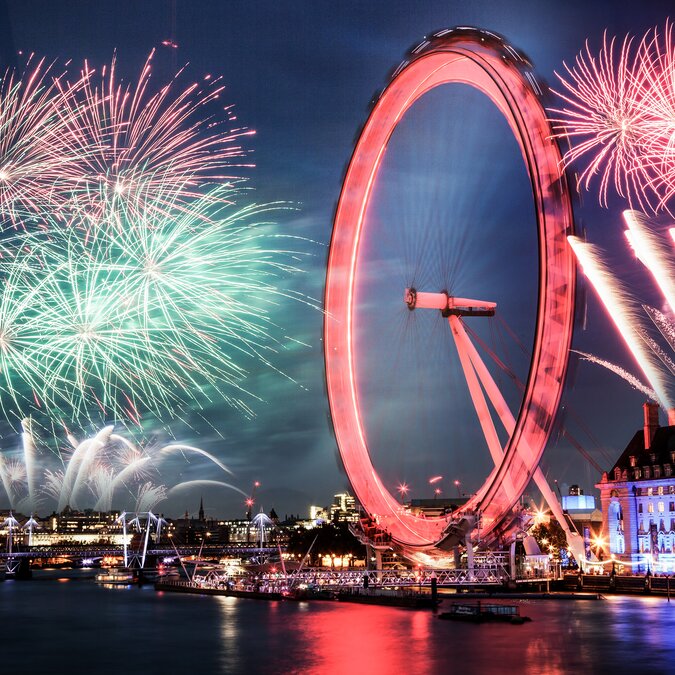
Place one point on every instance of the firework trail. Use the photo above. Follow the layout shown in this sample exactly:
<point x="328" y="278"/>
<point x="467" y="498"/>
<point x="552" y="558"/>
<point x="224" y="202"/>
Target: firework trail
<point x="621" y="372"/>
<point x="665" y="325"/>
<point x="102" y="470"/>
<point x="619" y="117"/>
<point x="188" y="484"/>
<point x="622" y="312"/>
<point x="653" y="254"/>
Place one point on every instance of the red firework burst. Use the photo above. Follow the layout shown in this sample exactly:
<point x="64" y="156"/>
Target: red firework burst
<point x="154" y="150"/>
<point x="619" y="118"/>
<point x="605" y="120"/>
<point x="39" y="156"/>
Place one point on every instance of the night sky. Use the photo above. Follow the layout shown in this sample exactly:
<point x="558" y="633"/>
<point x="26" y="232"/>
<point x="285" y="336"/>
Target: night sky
<point x="302" y="75"/>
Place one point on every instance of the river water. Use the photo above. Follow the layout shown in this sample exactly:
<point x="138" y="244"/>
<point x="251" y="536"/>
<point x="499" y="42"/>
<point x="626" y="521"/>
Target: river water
<point x="62" y="623"/>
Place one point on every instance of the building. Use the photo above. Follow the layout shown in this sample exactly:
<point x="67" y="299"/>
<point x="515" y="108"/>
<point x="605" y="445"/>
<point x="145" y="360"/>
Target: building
<point x="318" y="514"/>
<point x="637" y="497"/>
<point x="343" y="509"/>
<point x="586" y="518"/>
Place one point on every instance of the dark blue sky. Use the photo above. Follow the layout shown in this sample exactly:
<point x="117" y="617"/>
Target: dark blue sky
<point x="302" y="75"/>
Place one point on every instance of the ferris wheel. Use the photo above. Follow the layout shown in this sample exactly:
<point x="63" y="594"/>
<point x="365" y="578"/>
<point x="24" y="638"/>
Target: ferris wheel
<point x="516" y="440"/>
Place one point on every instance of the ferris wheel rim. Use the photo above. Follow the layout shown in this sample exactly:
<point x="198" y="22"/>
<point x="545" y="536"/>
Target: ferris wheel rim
<point x="479" y="55"/>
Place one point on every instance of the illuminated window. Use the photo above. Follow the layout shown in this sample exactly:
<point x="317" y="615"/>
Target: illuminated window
<point x="633" y="460"/>
<point x="671" y="489"/>
<point x="637" y="473"/>
<point x="661" y="506"/>
<point x="650" y="491"/>
<point x="650" y="507"/>
<point x="660" y="490"/>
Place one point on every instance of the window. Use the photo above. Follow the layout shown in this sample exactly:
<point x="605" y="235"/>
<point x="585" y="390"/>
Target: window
<point x="671" y="489"/>
<point x="650" y="491"/>
<point x="650" y="507"/>
<point x="661" y="507"/>
<point x="657" y="474"/>
<point x="660" y="489"/>
<point x="617" y="473"/>
<point x="648" y="474"/>
<point x="640" y="507"/>
<point x="633" y="460"/>
<point x="652" y="457"/>
<point x="638" y="491"/>
<point x="637" y="473"/>
<point x="667" y="470"/>
<point x="671" y="507"/>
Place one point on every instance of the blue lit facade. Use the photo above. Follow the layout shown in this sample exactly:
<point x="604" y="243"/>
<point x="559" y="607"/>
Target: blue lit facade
<point x="638" y="498"/>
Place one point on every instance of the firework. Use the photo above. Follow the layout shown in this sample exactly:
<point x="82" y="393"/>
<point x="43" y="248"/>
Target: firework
<point x="604" y="118"/>
<point x="103" y="470"/>
<point x="144" y="318"/>
<point x="40" y="150"/>
<point x="654" y="254"/>
<point x="138" y="286"/>
<point x="154" y="150"/>
<point x="621" y="372"/>
<point x="665" y="325"/>
<point x="619" y="117"/>
<point x="622" y="311"/>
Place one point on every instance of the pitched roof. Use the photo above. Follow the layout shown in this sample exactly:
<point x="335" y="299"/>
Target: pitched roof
<point x="661" y="448"/>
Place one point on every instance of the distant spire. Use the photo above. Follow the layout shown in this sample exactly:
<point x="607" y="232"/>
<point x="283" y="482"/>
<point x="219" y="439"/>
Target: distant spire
<point x="201" y="509"/>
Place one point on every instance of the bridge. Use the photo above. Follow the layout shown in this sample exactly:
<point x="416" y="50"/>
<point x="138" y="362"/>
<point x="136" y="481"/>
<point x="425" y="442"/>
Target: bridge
<point x="17" y="562"/>
<point x="43" y="552"/>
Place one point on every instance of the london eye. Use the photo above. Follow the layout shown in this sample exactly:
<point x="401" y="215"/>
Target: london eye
<point x="514" y="429"/>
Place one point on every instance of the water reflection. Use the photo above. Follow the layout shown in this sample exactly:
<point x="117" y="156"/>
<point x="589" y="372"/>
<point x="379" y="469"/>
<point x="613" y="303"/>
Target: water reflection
<point x="229" y="633"/>
<point x="171" y="633"/>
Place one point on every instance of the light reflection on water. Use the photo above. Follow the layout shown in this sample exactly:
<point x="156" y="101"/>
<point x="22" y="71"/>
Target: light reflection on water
<point x="78" y="625"/>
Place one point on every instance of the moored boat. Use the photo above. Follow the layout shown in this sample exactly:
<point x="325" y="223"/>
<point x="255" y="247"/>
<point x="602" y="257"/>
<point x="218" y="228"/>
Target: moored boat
<point x="122" y="576"/>
<point x="482" y="612"/>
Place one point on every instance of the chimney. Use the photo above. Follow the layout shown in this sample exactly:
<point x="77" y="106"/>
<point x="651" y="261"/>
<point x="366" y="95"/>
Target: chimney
<point x="671" y="417"/>
<point x="651" y="411"/>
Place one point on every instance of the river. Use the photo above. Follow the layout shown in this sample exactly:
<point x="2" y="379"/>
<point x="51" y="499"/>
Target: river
<point x="62" y="623"/>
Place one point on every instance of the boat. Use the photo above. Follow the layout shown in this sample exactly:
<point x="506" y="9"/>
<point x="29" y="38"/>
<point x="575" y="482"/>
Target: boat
<point x="250" y="592"/>
<point x="118" y="576"/>
<point x="310" y="592"/>
<point x="484" y="612"/>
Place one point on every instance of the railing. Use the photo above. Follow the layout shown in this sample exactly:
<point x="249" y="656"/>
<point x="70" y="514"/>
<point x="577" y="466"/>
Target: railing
<point x="397" y="578"/>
